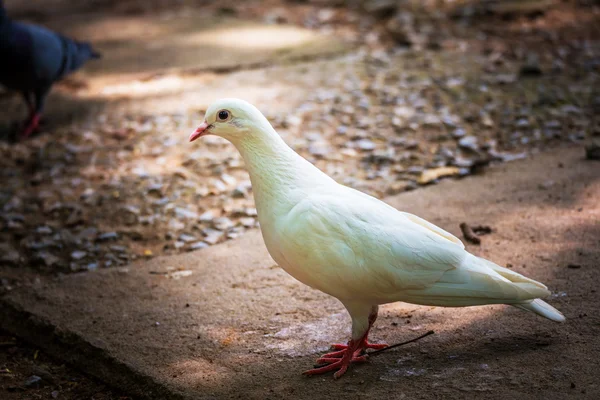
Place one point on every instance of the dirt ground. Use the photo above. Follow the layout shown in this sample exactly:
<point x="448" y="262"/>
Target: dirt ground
<point x="27" y="372"/>
<point x="386" y="100"/>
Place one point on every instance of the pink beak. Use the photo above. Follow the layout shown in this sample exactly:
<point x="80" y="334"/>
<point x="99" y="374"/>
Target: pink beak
<point x="200" y="131"/>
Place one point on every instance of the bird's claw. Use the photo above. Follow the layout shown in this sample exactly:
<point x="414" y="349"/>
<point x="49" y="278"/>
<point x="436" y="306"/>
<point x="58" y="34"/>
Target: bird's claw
<point x="339" y="364"/>
<point x="329" y="360"/>
<point x="340" y="359"/>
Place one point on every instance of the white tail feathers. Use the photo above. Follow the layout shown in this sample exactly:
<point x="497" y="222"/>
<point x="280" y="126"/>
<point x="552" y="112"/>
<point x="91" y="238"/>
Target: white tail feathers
<point x="540" y="307"/>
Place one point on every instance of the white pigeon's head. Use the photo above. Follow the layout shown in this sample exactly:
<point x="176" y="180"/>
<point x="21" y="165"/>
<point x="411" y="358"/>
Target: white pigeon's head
<point x="231" y="119"/>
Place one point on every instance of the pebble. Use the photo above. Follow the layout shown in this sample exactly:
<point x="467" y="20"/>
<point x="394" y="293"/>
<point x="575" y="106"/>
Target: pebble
<point x="78" y="254"/>
<point x="248" y="222"/>
<point x="198" y="246"/>
<point x="212" y="236"/>
<point x="366" y="145"/>
<point x="222" y="223"/>
<point x="184" y="213"/>
<point x="186" y="238"/>
<point x="33" y="381"/>
<point x="468" y="142"/>
<point x="206" y="216"/>
<point x="44" y="230"/>
<point x="103" y="237"/>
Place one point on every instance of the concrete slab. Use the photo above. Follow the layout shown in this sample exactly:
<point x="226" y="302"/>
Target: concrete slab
<point x="226" y="323"/>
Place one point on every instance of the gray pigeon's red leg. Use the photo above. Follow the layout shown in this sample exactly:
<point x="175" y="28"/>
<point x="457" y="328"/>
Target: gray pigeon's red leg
<point x="31" y="126"/>
<point x="34" y="120"/>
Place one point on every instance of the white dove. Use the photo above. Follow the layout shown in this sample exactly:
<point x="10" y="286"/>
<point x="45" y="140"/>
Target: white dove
<point x="354" y="247"/>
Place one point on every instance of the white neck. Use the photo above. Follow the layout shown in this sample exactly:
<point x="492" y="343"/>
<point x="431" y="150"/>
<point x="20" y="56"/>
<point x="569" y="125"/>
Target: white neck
<point x="279" y="175"/>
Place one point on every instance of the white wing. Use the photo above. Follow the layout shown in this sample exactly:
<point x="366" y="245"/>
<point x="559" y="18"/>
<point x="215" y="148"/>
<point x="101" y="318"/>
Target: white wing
<point x="357" y="247"/>
<point x="352" y="248"/>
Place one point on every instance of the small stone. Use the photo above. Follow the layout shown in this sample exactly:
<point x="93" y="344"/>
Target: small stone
<point x="160" y="202"/>
<point x="228" y="179"/>
<point x="212" y="236"/>
<point x="469" y="142"/>
<point x="207" y="216"/>
<point x="431" y="120"/>
<point x="118" y="249"/>
<point x="198" y="246"/>
<point x="218" y="187"/>
<point x="248" y="222"/>
<point x="342" y="130"/>
<point x="78" y="254"/>
<point x="186" y="238"/>
<point x="522" y="123"/>
<point x="176" y="225"/>
<point x="92" y="266"/>
<point x="463" y="162"/>
<point x="381" y="157"/>
<point x="104" y="237"/>
<point x="44" y="230"/>
<point x="184" y="213"/>
<point x="487" y="121"/>
<point x="223" y="223"/>
<point x="180" y="274"/>
<point x="319" y="149"/>
<point x="54" y="394"/>
<point x="366" y="145"/>
<point x="458" y="133"/>
<point x="33" y="381"/>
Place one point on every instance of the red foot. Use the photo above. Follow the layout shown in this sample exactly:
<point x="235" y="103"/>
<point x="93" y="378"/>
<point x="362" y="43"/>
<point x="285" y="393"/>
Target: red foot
<point x="31" y="126"/>
<point x="342" y="348"/>
<point x="339" y="364"/>
<point x="344" y="356"/>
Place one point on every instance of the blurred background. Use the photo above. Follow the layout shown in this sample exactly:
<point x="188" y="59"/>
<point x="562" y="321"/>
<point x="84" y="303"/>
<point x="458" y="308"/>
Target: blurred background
<point x="385" y="96"/>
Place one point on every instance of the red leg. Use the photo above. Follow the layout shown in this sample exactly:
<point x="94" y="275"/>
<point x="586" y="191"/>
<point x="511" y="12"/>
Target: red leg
<point x="31" y="126"/>
<point x="346" y="354"/>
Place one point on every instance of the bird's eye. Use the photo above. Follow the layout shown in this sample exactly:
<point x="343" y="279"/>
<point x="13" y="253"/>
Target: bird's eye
<point x="223" y="115"/>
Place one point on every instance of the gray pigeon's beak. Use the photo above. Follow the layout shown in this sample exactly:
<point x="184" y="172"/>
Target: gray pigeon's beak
<point x="200" y="131"/>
